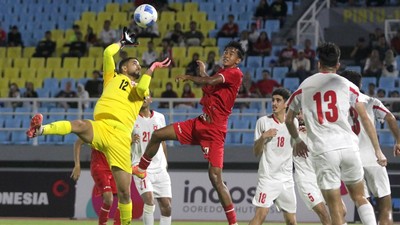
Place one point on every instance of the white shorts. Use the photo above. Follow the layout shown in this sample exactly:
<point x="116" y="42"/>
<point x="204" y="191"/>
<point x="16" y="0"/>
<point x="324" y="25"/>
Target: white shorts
<point x="376" y="181"/>
<point x="159" y="184"/>
<point x="331" y="167"/>
<point x="282" y="194"/>
<point x="310" y="193"/>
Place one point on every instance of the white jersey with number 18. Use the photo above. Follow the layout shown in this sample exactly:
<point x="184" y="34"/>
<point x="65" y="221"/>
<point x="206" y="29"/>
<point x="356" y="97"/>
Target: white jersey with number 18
<point x="325" y="99"/>
<point x="144" y="127"/>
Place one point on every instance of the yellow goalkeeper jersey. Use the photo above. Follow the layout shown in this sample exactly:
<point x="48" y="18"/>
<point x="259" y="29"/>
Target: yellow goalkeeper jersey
<point x="122" y="98"/>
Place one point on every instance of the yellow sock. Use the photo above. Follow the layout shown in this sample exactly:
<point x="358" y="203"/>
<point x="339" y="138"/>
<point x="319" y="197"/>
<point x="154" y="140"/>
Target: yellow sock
<point x="60" y="127"/>
<point x="125" y="211"/>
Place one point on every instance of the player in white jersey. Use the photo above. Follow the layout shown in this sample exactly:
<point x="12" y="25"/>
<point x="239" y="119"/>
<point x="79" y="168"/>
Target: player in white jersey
<point x="306" y="181"/>
<point x="376" y="177"/>
<point x="325" y="99"/>
<point x="157" y="183"/>
<point x="275" y="170"/>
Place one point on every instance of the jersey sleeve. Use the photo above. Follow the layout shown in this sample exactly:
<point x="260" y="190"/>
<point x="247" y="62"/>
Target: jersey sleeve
<point x="142" y="88"/>
<point x="380" y="111"/>
<point x="261" y="126"/>
<point x="294" y="101"/>
<point x="230" y="77"/>
<point x="108" y="62"/>
<point x="354" y="94"/>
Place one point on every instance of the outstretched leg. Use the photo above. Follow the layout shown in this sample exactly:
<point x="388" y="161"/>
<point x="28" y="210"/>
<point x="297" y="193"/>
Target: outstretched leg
<point x="215" y="175"/>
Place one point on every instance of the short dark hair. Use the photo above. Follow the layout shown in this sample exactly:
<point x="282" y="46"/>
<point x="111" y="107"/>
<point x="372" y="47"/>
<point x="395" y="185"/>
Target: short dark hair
<point x="238" y="46"/>
<point x="123" y="62"/>
<point x="353" y="76"/>
<point x="328" y="54"/>
<point x="285" y="93"/>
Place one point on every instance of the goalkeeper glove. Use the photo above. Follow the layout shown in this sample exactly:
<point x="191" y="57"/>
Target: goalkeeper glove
<point x="128" y="38"/>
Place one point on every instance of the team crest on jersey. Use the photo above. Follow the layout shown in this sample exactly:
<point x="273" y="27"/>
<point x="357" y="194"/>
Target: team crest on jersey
<point x="205" y="150"/>
<point x="136" y="126"/>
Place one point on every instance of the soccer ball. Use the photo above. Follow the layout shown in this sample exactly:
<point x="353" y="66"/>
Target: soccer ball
<point x="145" y="15"/>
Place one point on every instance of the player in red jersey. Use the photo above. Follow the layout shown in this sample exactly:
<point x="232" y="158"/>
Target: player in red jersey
<point x="103" y="180"/>
<point x="209" y="129"/>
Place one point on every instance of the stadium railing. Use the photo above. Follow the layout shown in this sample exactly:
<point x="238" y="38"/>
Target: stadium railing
<point x="240" y="126"/>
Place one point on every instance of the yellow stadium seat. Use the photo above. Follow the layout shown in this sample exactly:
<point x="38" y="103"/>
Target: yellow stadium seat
<point x="112" y="7"/>
<point x="182" y="16"/>
<point x="96" y="52"/>
<point x="21" y="63"/>
<point x="60" y="73"/>
<point x="179" y="52"/>
<point x="11" y="73"/>
<point x="141" y="50"/>
<point x="53" y="63"/>
<point x="14" y="52"/>
<point x="199" y="16"/>
<point x="126" y="7"/>
<point x="70" y="63"/>
<point x="209" y="42"/>
<point x="195" y="49"/>
<point x="185" y="61"/>
<point x="57" y="34"/>
<point x="198" y="93"/>
<point x="20" y="82"/>
<point x="28" y="52"/>
<point x="43" y="73"/>
<point x="157" y="92"/>
<point x="3" y="52"/>
<point x="132" y="52"/>
<point x="77" y="73"/>
<point x="6" y="63"/>
<point x="88" y="17"/>
<point x="98" y="63"/>
<point x="28" y="74"/>
<point x="37" y="63"/>
<point x="175" y="71"/>
<point x="178" y="6"/>
<point x="167" y="16"/>
<point x="120" y="19"/>
<point x="37" y="83"/>
<point x="86" y="63"/>
<point x="103" y="16"/>
<point x="209" y="49"/>
<point x="207" y="26"/>
<point x="83" y="24"/>
<point x="161" y="73"/>
<point x="190" y="7"/>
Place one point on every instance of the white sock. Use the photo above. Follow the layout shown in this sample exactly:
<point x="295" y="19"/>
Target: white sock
<point x="165" y="220"/>
<point x="345" y="224"/>
<point x="148" y="214"/>
<point x="367" y="214"/>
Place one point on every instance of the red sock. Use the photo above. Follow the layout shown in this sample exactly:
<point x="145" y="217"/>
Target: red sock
<point x="117" y="217"/>
<point x="103" y="215"/>
<point x="230" y="214"/>
<point x="144" y="161"/>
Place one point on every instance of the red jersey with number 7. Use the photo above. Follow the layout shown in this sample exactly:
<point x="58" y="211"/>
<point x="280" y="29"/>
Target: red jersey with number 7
<point x="218" y="100"/>
<point x="325" y="99"/>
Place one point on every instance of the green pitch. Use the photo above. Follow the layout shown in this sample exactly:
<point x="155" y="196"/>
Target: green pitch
<point x="35" y="221"/>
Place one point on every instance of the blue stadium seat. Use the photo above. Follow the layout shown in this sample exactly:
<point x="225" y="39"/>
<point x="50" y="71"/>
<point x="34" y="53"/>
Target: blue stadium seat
<point x="6" y="113"/>
<point x="50" y="83"/>
<point x="233" y="138"/>
<point x="291" y="83"/>
<point x="272" y="25"/>
<point x="241" y="124"/>
<point x="267" y="60"/>
<point x="19" y="137"/>
<point x="207" y="7"/>
<point x="387" y="82"/>
<point x="43" y="93"/>
<point x="367" y="80"/>
<point x="65" y="80"/>
<point x="13" y="123"/>
<point x="254" y="61"/>
<point x="223" y="41"/>
<point x="354" y="68"/>
<point x="248" y="138"/>
<point x="69" y="139"/>
<point x="1" y="122"/>
<point x="385" y="138"/>
<point x="279" y="72"/>
<point x="56" y="114"/>
<point x="5" y="137"/>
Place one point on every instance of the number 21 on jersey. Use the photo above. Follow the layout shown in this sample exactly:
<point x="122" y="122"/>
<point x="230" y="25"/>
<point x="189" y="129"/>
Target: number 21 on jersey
<point x="329" y="98"/>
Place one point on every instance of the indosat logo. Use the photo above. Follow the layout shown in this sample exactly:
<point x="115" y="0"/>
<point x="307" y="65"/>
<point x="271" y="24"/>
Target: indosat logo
<point x="95" y="202"/>
<point x="199" y="199"/>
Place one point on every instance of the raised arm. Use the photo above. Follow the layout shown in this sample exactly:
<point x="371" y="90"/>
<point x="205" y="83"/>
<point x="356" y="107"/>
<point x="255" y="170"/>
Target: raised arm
<point x="369" y="128"/>
<point x="108" y="61"/>
<point x="143" y="86"/>
<point x="76" y="172"/>
<point x="394" y="128"/>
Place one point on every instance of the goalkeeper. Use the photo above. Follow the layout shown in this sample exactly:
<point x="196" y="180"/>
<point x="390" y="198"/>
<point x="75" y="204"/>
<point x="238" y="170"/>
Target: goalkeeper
<point x="114" y="117"/>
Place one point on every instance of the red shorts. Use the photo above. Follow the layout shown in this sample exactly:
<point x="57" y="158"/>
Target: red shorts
<point x="211" y="138"/>
<point x="103" y="178"/>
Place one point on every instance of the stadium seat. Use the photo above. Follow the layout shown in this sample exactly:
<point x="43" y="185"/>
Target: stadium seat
<point x="190" y="6"/>
<point x="103" y="16"/>
<point x="178" y="6"/>
<point x="14" y="52"/>
<point x="11" y="73"/>
<point x="291" y="83"/>
<point x="29" y="51"/>
<point x="366" y="81"/>
<point x="385" y="138"/>
<point x="279" y="72"/>
<point x="86" y="63"/>
<point x="354" y="68"/>
<point x="65" y="80"/>
<point x="272" y="25"/>
<point x="37" y="63"/>
<point x="6" y="113"/>
<point x="254" y="61"/>
<point x="70" y="63"/>
<point x="207" y="7"/>
<point x="3" y="52"/>
<point x="50" y="83"/>
<point x="43" y="93"/>
<point x="195" y="49"/>
<point x="113" y="7"/>
<point x="241" y="124"/>
<point x="387" y="82"/>
<point x="5" y="137"/>
<point x="53" y="63"/>
<point x="77" y="73"/>
<point x="19" y="137"/>
<point x="13" y="123"/>
<point x="60" y="73"/>
<point x="233" y="138"/>
<point x="248" y="138"/>
<point x="21" y="63"/>
<point x="43" y="73"/>
<point x="28" y="74"/>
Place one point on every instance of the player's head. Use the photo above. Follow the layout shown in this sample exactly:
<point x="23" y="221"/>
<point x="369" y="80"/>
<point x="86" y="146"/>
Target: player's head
<point x="279" y="98"/>
<point x="329" y="55"/>
<point x="353" y="76"/>
<point x="130" y="66"/>
<point x="233" y="54"/>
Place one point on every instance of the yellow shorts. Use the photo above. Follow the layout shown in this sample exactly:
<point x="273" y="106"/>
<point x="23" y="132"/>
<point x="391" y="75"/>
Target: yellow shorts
<point x="114" y="140"/>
